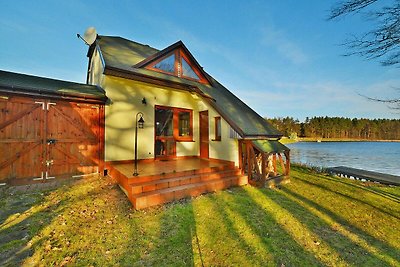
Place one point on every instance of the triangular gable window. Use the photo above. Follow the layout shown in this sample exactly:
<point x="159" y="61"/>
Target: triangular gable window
<point x="187" y="71"/>
<point x="178" y="64"/>
<point x="167" y="64"/>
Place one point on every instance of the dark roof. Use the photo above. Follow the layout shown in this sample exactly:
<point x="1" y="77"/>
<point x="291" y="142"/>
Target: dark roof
<point x="270" y="146"/>
<point x="121" y="56"/>
<point x="18" y="83"/>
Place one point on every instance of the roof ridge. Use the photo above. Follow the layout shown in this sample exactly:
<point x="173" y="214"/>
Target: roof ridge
<point x="109" y="36"/>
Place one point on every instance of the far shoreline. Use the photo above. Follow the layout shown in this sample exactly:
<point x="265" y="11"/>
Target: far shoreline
<point x="286" y="140"/>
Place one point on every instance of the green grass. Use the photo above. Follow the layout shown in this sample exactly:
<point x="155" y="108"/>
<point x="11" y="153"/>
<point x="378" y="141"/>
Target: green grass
<point x="316" y="220"/>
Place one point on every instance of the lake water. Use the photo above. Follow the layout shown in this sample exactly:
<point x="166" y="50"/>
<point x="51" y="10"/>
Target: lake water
<point x="373" y="156"/>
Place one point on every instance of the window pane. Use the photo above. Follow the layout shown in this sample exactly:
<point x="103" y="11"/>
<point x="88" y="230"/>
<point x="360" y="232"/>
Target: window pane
<point x="167" y="64"/>
<point x="164" y="122"/>
<point x="218" y="128"/>
<point x="188" y="71"/>
<point x="184" y="123"/>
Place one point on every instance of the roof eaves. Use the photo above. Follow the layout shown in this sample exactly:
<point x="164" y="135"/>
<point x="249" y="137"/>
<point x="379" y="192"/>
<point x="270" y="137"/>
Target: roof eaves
<point x="16" y="90"/>
<point x="117" y="72"/>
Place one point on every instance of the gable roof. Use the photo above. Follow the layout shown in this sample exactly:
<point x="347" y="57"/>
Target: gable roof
<point x="125" y="58"/>
<point x="160" y="54"/>
<point x="17" y="83"/>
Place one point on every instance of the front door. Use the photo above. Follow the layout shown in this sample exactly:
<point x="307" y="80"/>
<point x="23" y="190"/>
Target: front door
<point x="204" y="139"/>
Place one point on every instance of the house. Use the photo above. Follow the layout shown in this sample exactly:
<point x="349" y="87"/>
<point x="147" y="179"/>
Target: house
<point x="172" y="130"/>
<point x="49" y="129"/>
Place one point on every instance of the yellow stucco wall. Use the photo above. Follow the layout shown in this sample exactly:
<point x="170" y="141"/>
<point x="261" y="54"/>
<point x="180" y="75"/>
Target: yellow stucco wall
<point x="126" y="101"/>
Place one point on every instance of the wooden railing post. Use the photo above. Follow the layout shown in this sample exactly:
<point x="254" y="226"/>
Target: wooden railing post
<point x="282" y="163"/>
<point x="274" y="163"/>
<point x="240" y="143"/>
<point x="249" y="161"/>
<point x="287" y="155"/>
<point x="264" y="168"/>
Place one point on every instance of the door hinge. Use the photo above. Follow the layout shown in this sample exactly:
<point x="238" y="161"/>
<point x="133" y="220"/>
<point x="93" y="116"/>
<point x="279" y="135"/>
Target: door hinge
<point x="45" y="106"/>
<point x="50" y="103"/>
<point x="42" y="103"/>
<point x="39" y="178"/>
<point x="49" y="177"/>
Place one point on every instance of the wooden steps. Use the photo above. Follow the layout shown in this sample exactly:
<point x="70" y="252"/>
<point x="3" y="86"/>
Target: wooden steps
<point x="147" y="191"/>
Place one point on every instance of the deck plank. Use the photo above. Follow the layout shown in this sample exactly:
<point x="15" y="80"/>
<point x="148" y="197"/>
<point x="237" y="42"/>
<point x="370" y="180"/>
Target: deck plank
<point x="367" y="175"/>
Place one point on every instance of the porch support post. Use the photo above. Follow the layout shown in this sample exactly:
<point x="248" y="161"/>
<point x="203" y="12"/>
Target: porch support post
<point x="263" y="167"/>
<point x="274" y="163"/>
<point x="287" y="155"/>
<point x="249" y="159"/>
<point x="240" y="143"/>
<point x="282" y="164"/>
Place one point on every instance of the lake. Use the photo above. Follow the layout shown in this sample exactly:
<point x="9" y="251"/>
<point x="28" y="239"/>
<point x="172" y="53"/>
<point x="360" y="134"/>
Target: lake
<point x="372" y="156"/>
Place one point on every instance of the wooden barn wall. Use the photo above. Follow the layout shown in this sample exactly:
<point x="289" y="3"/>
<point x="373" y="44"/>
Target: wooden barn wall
<point x="42" y="140"/>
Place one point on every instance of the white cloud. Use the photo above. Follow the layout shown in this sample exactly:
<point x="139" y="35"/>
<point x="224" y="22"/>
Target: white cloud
<point x="283" y="45"/>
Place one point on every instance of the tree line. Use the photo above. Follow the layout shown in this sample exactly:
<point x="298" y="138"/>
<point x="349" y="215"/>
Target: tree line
<point x="338" y="127"/>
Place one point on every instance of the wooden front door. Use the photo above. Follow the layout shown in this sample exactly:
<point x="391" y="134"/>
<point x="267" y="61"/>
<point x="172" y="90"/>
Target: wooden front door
<point x="42" y="139"/>
<point x="204" y="134"/>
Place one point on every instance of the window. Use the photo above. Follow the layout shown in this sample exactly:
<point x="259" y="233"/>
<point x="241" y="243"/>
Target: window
<point x="164" y="122"/>
<point x="217" y="128"/>
<point x="184" y="123"/>
<point x="178" y="63"/>
<point x="167" y="64"/>
<point x="187" y="71"/>
<point x="173" y="122"/>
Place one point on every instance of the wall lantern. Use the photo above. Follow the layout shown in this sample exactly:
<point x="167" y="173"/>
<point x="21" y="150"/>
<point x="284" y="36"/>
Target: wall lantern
<point x="139" y="123"/>
<point x="144" y="102"/>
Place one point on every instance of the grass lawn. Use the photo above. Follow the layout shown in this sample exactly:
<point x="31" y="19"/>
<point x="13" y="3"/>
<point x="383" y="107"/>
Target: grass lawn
<point x="316" y="220"/>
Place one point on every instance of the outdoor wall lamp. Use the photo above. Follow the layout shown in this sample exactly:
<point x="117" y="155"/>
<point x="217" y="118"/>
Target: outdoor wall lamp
<point x="139" y="123"/>
<point x="144" y="102"/>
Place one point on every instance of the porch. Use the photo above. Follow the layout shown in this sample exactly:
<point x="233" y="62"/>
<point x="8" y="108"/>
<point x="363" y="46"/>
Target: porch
<point x="161" y="181"/>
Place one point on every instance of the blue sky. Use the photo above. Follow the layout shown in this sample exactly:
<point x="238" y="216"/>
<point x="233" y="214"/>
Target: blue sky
<point x="283" y="58"/>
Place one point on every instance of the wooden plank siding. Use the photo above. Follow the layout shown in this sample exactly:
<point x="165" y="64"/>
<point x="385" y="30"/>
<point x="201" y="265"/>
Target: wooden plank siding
<point x="41" y="138"/>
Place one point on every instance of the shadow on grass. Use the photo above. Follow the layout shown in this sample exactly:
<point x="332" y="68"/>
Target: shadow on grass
<point x="350" y="250"/>
<point x="363" y="201"/>
<point x="260" y="234"/>
<point x="173" y="245"/>
<point x="390" y="196"/>
<point x="24" y="215"/>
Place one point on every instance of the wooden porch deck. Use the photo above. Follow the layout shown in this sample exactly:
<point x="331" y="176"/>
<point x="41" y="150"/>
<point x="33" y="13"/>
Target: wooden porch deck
<point x="160" y="182"/>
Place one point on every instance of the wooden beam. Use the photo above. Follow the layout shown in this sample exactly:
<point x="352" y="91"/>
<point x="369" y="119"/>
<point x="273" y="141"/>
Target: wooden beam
<point x="287" y="155"/>
<point x="282" y="163"/>
<point x="240" y="143"/>
<point x="18" y="155"/>
<point x="263" y="166"/>
<point x="249" y="169"/>
<point x="18" y="116"/>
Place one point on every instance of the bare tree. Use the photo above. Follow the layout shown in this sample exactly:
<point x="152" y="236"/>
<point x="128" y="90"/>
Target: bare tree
<point x="382" y="41"/>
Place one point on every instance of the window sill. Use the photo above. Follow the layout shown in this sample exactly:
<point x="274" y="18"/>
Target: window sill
<point x="219" y="140"/>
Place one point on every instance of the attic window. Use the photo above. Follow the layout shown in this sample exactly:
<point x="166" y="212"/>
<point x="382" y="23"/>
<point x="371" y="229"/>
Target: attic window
<point x="187" y="71"/>
<point x="167" y="64"/>
<point x="178" y="63"/>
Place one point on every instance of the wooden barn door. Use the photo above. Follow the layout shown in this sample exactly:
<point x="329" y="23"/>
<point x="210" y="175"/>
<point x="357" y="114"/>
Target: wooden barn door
<point x="21" y="139"/>
<point x="42" y="139"/>
<point x="73" y="132"/>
